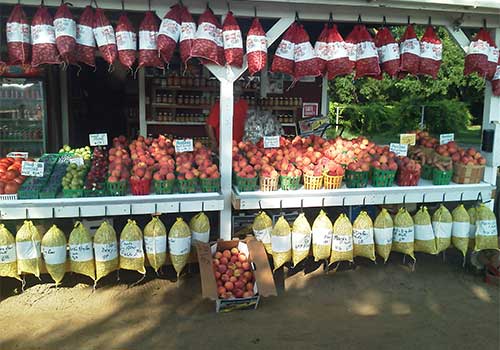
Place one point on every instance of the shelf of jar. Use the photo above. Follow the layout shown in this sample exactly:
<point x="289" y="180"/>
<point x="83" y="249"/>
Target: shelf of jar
<point x="154" y="122"/>
<point x="179" y="106"/>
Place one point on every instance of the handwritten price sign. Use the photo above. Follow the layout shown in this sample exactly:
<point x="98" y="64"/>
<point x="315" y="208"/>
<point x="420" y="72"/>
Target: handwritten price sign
<point x="185" y="145"/>
<point x="271" y="141"/>
<point x="98" y="139"/>
<point x="408" y="139"/>
<point x="32" y="168"/>
<point x="400" y="149"/>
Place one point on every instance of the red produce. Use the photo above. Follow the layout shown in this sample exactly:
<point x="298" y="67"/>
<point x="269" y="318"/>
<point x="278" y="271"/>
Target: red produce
<point x="431" y="53"/>
<point x="126" y="41"/>
<point x="367" y="63"/>
<point x="208" y="40"/>
<point x="340" y="63"/>
<point x="322" y="50"/>
<point x="188" y="32"/>
<point x="148" y="49"/>
<point x="350" y="45"/>
<point x="43" y="38"/>
<point x="476" y="59"/>
<point x="169" y="33"/>
<point x="105" y="36"/>
<point x="283" y="60"/>
<point x="233" y="42"/>
<point x="18" y="37"/>
<point x="388" y="51"/>
<point x="256" y="47"/>
<point x="85" y="41"/>
<point x="410" y="51"/>
<point x="65" y="28"/>
<point x="306" y="63"/>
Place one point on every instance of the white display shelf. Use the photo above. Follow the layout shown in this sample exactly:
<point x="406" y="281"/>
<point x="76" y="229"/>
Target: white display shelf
<point x="109" y="206"/>
<point x="423" y="193"/>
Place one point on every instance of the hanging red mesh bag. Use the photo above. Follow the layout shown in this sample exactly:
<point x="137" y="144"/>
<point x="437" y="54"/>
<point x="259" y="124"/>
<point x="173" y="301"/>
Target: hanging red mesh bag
<point x="256" y="47"/>
<point x="410" y="51"/>
<point x="208" y="39"/>
<point x="476" y="59"/>
<point x="350" y="45"/>
<point x="126" y="41"/>
<point x="233" y="42"/>
<point x="18" y="37"/>
<point x="43" y="38"/>
<point x="148" y="49"/>
<point x="431" y="53"/>
<point x="169" y="33"/>
<point x="65" y="28"/>
<point x="493" y="57"/>
<point x="388" y="51"/>
<point x="283" y="60"/>
<point x="188" y="32"/>
<point x="367" y="63"/>
<point x="495" y="81"/>
<point x="105" y="36"/>
<point x="85" y="41"/>
<point x="306" y="63"/>
<point x="340" y="64"/>
<point x="322" y="50"/>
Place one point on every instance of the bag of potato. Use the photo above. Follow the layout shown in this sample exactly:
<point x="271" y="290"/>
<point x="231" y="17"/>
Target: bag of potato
<point x="322" y="230"/>
<point x="200" y="228"/>
<point x="425" y="240"/>
<point x="131" y="250"/>
<point x="301" y="239"/>
<point x="262" y="227"/>
<point x="342" y="249"/>
<point x="8" y="260"/>
<point x="460" y="229"/>
<point x="28" y="249"/>
<point x="403" y="236"/>
<point x="155" y="240"/>
<point x="281" y="243"/>
<point x="442" y="225"/>
<point x="179" y="243"/>
<point x="81" y="251"/>
<point x="362" y="236"/>
<point x="472" y="228"/>
<point x="54" y="247"/>
<point x="382" y="232"/>
<point x="486" y="229"/>
<point x="105" y="250"/>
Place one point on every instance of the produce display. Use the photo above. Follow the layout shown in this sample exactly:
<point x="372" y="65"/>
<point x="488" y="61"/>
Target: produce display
<point x="233" y="274"/>
<point x="82" y="152"/>
<point x="96" y="177"/>
<point x="74" y="178"/>
<point x="10" y="175"/>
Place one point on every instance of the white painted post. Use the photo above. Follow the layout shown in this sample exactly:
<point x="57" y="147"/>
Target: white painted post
<point x="324" y="97"/>
<point x="143" y="128"/>
<point x="459" y="36"/>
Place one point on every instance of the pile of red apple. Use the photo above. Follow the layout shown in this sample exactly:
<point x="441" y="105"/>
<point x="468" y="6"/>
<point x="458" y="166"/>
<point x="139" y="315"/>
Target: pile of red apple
<point x="460" y="155"/>
<point x="424" y="139"/>
<point x="233" y="274"/>
<point x="98" y="170"/>
<point x="386" y="161"/>
<point x="119" y="163"/>
<point x="10" y="175"/>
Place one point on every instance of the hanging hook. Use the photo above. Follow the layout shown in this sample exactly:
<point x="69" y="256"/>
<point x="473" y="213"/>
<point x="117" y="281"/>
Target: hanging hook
<point x="384" y="21"/>
<point x="123" y="5"/>
<point x="383" y="202"/>
<point x="302" y="205"/>
<point x="423" y="198"/>
<point x="149" y="5"/>
<point x="228" y="7"/>
<point x="260" y="205"/>
<point x="343" y="201"/>
<point x="330" y="19"/>
<point x="444" y="197"/>
<point x="359" y="19"/>
<point x="179" y="209"/>
<point x="408" y="20"/>
<point x="479" y="197"/>
<point x="430" y="21"/>
<point x="281" y="205"/>
<point x="255" y="11"/>
<point x="404" y="200"/>
<point x="484" y="23"/>
<point x="461" y="197"/>
<point x="364" y="201"/>
<point x="297" y="19"/>
<point x="323" y="202"/>
<point x="202" y="205"/>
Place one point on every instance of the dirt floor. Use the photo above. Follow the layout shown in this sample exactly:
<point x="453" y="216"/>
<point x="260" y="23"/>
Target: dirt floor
<point x="438" y="306"/>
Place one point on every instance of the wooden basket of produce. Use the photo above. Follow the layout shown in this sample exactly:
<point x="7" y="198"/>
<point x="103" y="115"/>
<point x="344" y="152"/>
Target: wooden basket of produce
<point x="269" y="183"/>
<point x="467" y="174"/>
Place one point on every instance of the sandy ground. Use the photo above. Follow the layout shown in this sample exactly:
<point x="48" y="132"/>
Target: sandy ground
<point x="439" y="306"/>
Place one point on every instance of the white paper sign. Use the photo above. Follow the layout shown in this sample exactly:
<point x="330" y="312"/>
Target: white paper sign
<point x="28" y="250"/>
<point x="486" y="228"/>
<point x="271" y="141"/>
<point x="322" y="236"/>
<point x="23" y="155"/>
<point x="442" y="229"/>
<point x="105" y="251"/>
<point x="281" y="244"/>
<point x="362" y="236"/>
<point x="301" y="242"/>
<point x="408" y="139"/>
<point x="54" y="255"/>
<point x="179" y="246"/>
<point x="424" y="232"/>
<point x="7" y="253"/>
<point x="185" y="145"/>
<point x="200" y="236"/>
<point x="341" y="243"/>
<point x="76" y="160"/>
<point x="404" y="234"/>
<point x="460" y="229"/>
<point x="383" y="236"/>
<point x="445" y="138"/>
<point x="81" y="252"/>
<point x="263" y="235"/>
<point x="98" y="139"/>
<point x="400" y="149"/>
<point x="131" y="249"/>
<point x="32" y="168"/>
<point x="155" y="245"/>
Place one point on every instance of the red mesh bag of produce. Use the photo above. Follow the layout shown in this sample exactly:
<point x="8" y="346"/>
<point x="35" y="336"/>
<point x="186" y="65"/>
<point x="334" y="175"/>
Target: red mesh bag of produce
<point x="283" y="57"/>
<point x="188" y="32"/>
<point x="18" y="37"/>
<point x="367" y="64"/>
<point x="126" y="41"/>
<point x="256" y="47"/>
<point x="388" y="51"/>
<point x="65" y="27"/>
<point x="233" y="42"/>
<point x="350" y="45"/>
<point x="409" y="48"/>
<point x="208" y="39"/>
<point x="340" y="64"/>
<point x="148" y="49"/>
<point x="306" y="63"/>
<point x="169" y="33"/>
<point x="43" y="38"/>
<point x="431" y="53"/>
<point x="105" y="36"/>
<point x="476" y="59"/>
<point x="495" y="81"/>
<point x="85" y="41"/>
<point x="322" y="50"/>
<point x="493" y="56"/>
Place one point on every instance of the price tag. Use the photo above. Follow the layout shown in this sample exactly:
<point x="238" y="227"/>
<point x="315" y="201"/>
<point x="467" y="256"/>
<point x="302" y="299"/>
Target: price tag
<point x="445" y="138"/>
<point x="32" y="168"/>
<point x="271" y="141"/>
<point x="98" y="139"/>
<point x="23" y="155"/>
<point x="76" y="160"/>
<point x="185" y="145"/>
<point x="400" y="149"/>
<point x="408" y="139"/>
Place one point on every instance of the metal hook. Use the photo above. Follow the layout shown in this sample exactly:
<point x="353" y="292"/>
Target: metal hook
<point x="359" y="19"/>
<point x="302" y="205"/>
<point x="384" y="21"/>
<point x="323" y="202"/>
<point x="203" y="206"/>
<point x="297" y="19"/>
<point x="444" y="197"/>
<point x="484" y="23"/>
<point x="123" y="5"/>
<point x="330" y="18"/>
<point x="423" y="198"/>
<point x="343" y="201"/>
<point x="179" y="210"/>
<point x="228" y="7"/>
<point x="430" y="21"/>
<point x="79" y="211"/>
<point x="281" y="205"/>
<point x="255" y="11"/>
<point x="149" y="5"/>
<point x="27" y="214"/>
<point x="461" y="197"/>
<point x="404" y="200"/>
<point x="479" y="197"/>
<point x="260" y="205"/>
<point x="105" y="211"/>
<point x="364" y="201"/>
<point x="383" y="202"/>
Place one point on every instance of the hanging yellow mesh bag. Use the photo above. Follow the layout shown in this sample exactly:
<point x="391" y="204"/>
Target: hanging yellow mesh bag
<point x="442" y="225"/>
<point x="8" y="259"/>
<point x="262" y="227"/>
<point x="54" y="248"/>
<point x="404" y="233"/>
<point x="200" y="228"/>
<point x="486" y="229"/>
<point x="81" y="251"/>
<point x="105" y="250"/>
<point x="281" y="243"/>
<point x="362" y="236"/>
<point x="179" y="243"/>
<point x="155" y="240"/>
<point x="472" y="228"/>
<point x="425" y="240"/>
<point x="322" y="230"/>
<point x="460" y="229"/>
<point x="301" y="239"/>
<point x="382" y="232"/>
<point x="342" y="249"/>
<point x="28" y="250"/>
<point x="131" y="248"/>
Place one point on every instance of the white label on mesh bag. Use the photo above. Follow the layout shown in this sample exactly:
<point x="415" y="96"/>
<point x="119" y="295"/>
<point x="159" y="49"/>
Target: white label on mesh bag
<point x="126" y="40"/>
<point x="105" y="251"/>
<point x="431" y="51"/>
<point x="200" y="236"/>
<point x="366" y="49"/>
<point x="322" y="236"/>
<point x="404" y="234"/>
<point x="388" y="52"/>
<point x="65" y="27"/>
<point x="301" y="242"/>
<point x="207" y="31"/>
<point x="170" y="28"/>
<point x="442" y="229"/>
<point x="497" y="74"/>
<point x="424" y="232"/>
<point x="281" y="244"/>
<point x="303" y="52"/>
<point x="285" y="50"/>
<point x="479" y="47"/>
<point x="351" y="51"/>
<point x="339" y="50"/>
<point x="28" y="250"/>
<point x="383" y="236"/>
<point x="131" y="249"/>
<point x="43" y="34"/>
<point x="256" y="43"/>
<point x="54" y="255"/>
<point x="362" y="236"/>
<point x="341" y="243"/>
<point x="188" y="31"/>
<point x="410" y="46"/>
<point x="472" y="231"/>
<point x="17" y="32"/>
<point x="81" y="252"/>
<point x="460" y="229"/>
<point x="263" y="235"/>
<point x="147" y="40"/>
<point x="104" y="35"/>
<point x="486" y="228"/>
<point x="179" y="246"/>
<point x="493" y="54"/>
<point x="218" y="38"/>
<point x="155" y="245"/>
<point x="323" y="50"/>
<point x="7" y="253"/>
<point x="85" y="35"/>
<point x="232" y="39"/>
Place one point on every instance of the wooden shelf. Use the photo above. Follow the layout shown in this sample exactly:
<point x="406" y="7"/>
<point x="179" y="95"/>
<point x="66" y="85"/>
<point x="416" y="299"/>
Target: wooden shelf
<point x="19" y="140"/>
<point x="282" y="108"/>
<point x="152" y="122"/>
<point x="175" y="106"/>
<point x="288" y="124"/>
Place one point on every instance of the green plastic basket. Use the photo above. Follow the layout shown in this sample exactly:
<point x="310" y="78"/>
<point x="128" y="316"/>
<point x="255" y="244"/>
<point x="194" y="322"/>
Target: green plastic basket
<point x="47" y="194"/>
<point x="117" y="188"/>
<point x="383" y="178"/>
<point x="164" y="186"/>
<point x="187" y="186"/>
<point x="356" y="179"/>
<point x="95" y="192"/>
<point x="27" y="194"/>
<point x="210" y="185"/>
<point x="440" y="177"/>
<point x="246" y="184"/>
<point x="72" y="193"/>
<point x="426" y="172"/>
<point x="290" y="182"/>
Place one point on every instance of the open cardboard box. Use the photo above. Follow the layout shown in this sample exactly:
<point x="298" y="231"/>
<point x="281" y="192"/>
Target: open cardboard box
<point x="264" y="282"/>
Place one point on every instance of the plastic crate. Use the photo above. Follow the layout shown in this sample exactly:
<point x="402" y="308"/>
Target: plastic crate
<point x="164" y="186"/>
<point x="95" y="192"/>
<point x="383" y="178"/>
<point x="27" y="194"/>
<point x="187" y="186"/>
<point x="312" y="182"/>
<point x="356" y="179"/>
<point x="426" y="172"/>
<point x="440" y="177"/>
<point x="332" y="182"/>
<point x="268" y="183"/>
<point x="47" y="194"/>
<point x="117" y="188"/>
<point x="245" y="184"/>
<point x="210" y="185"/>
<point x="72" y="193"/>
<point x="290" y="182"/>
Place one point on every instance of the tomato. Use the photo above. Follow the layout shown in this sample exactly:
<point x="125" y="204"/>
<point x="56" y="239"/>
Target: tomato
<point x="11" y="187"/>
<point x="19" y="180"/>
<point x="11" y="175"/>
